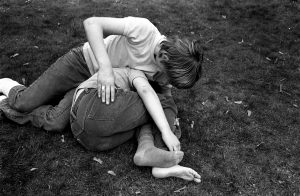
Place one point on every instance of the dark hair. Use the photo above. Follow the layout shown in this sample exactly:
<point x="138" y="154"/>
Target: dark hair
<point x="184" y="63"/>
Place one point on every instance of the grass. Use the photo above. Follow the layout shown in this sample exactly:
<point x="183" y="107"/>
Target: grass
<point x="245" y="138"/>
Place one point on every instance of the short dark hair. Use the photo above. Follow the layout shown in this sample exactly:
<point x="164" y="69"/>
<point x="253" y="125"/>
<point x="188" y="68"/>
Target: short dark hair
<point x="184" y="63"/>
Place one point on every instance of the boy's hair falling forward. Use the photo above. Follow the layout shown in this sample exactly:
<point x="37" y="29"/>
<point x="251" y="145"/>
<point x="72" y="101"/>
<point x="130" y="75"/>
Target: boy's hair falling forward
<point x="182" y="62"/>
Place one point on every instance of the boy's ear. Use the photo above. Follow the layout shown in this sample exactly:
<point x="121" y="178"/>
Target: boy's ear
<point x="164" y="56"/>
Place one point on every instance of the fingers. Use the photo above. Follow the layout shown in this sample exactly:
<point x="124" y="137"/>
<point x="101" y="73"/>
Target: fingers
<point x="175" y="147"/>
<point x="99" y="90"/>
<point x="103" y="93"/>
<point x="107" y="93"/>
<point x="112" y="91"/>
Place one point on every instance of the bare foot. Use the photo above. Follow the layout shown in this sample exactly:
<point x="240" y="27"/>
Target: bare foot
<point x="177" y="171"/>
<point x="155" y="157"/>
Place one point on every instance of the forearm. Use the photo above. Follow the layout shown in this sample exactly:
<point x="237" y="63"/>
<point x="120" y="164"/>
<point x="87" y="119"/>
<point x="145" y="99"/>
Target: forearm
<point x="94" y="33"/>
<point x="153" y="106"/>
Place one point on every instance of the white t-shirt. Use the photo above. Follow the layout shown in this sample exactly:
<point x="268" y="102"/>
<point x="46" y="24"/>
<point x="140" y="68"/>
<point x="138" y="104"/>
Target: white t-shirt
<point x="135" y="49"/>
<point x="123" y="79"/>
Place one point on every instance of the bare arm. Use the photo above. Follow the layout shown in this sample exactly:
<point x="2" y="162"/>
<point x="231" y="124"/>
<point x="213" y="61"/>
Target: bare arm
<point x="96" y="29"/>
<point x="153" y="105"/>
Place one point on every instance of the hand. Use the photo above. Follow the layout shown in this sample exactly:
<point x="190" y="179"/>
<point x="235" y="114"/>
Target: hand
<point x="171" y="141"/>
<point x="106" y="86"/>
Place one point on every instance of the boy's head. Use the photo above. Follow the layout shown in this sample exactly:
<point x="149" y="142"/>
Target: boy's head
<point x="182" y="60"/>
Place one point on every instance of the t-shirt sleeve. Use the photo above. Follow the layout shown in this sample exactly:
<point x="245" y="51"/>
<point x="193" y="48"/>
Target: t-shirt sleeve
<point x="138" y="30"/>
<point x="133" y="74"/>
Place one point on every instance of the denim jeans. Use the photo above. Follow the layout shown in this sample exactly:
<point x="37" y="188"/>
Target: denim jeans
<point x="56" y="83"/>
<point x="99" y="127"/>
<point x="96" y="126"/>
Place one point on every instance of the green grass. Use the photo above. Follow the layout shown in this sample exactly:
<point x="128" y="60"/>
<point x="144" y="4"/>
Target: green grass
<point x="235" y="153"/>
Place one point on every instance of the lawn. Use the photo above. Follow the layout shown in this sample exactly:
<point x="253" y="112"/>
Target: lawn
<point x="240" y="123"/>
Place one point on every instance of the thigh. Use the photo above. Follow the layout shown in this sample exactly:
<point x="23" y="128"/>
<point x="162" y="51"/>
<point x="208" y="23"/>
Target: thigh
<point x="65" y="74"/>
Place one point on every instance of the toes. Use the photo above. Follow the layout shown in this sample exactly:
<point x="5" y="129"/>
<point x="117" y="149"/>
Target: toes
<point x="197" y="180"/>
<point x="196" y="176"/>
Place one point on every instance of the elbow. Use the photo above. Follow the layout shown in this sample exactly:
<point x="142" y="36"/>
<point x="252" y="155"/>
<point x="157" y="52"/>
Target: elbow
<point x="146" y="91"/>
<point x="89" y="21"/>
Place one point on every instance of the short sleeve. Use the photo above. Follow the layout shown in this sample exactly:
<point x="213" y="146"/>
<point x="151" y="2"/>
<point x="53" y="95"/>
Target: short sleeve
<point x="133" y="74"/>
<point x="138" y="30"/>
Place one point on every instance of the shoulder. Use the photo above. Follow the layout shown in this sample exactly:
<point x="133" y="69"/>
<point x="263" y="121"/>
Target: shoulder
<point x="137" y="21"/>
<point x="139" y="28"/>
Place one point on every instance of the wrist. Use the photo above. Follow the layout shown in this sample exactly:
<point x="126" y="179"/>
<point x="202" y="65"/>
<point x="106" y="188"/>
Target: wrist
<point x="166" y="132"/>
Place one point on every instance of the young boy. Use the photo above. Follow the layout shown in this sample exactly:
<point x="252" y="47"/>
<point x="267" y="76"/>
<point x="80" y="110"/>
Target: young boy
<point x="98" y="126"/>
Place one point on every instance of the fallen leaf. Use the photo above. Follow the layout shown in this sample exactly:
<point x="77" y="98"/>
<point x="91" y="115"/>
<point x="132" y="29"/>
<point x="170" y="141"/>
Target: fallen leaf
<point x="137" y="192"/>
<point x="24" y="81"/>
<point x="204" y="102"/>
<point x="178" y="190"/>
<point x="295" y="105"/>
<point x="15" y="55"/>
<point x="223" y="16"/>
<point x="62" y="138"/>
<point x="98" y="160"/>
<point x="226" y="98"/>
<point x="192" y="124"/>
<point x="238" y="102"/>
<point x="241" y="42"/>
<point x="26" y="64"/>
<point x="176" y="122"/>
<point x="36" y="47"/>
<point x="268" y="58"/>
<point x="249" y="112"/>
<point x="32" y="169"/>
<point x="280" y="52"/>
<point x="111" y="173"/>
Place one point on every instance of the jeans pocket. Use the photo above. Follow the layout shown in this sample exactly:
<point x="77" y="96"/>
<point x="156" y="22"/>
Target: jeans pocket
<point x="102" y="112"/>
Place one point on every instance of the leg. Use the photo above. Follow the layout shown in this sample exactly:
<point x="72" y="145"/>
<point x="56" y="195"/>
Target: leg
<point x="48" y="117"/>
<point x="148" y="155"/>
<point x="65" y="74"/>
<point x="177" y="171"/>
